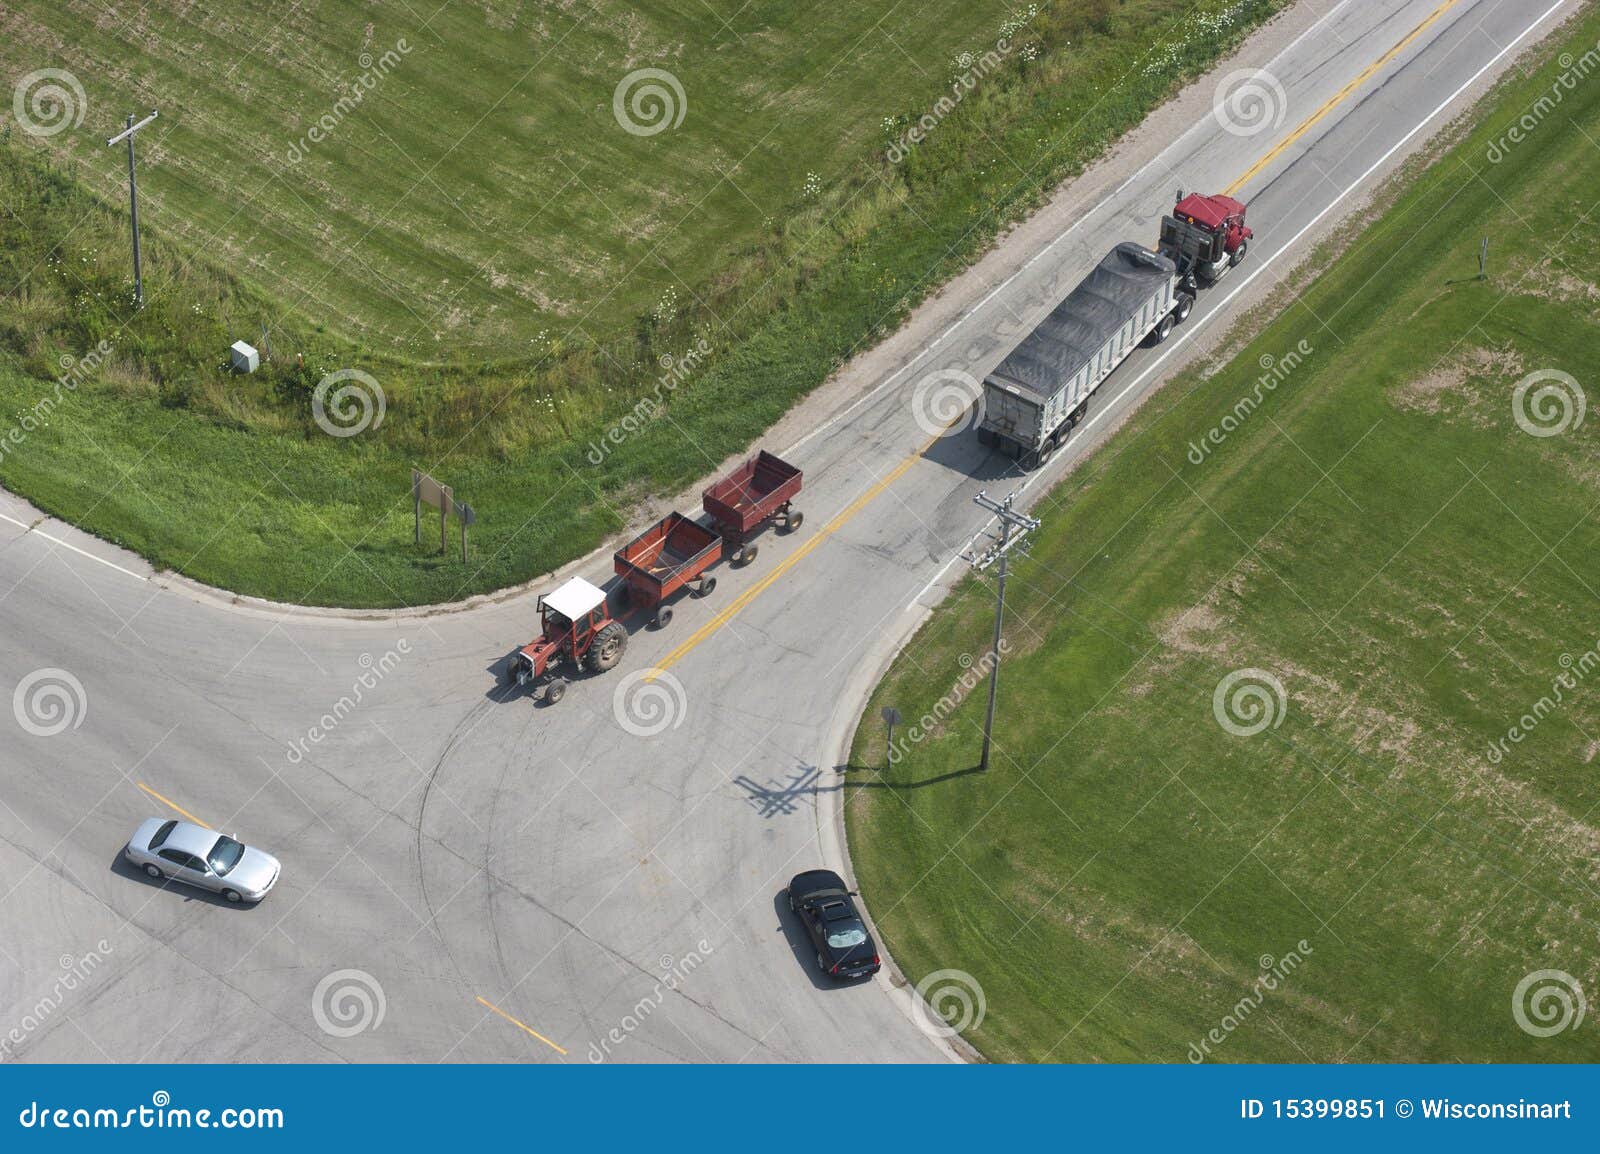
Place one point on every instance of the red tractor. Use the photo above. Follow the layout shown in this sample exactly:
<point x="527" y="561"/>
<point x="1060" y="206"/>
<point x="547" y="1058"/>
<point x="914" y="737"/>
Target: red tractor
<point x="577" y="627"/>
<point x="1204" y="236"/>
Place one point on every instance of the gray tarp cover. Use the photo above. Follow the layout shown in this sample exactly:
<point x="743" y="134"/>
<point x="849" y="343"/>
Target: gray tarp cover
<point x="1052" y="354"/>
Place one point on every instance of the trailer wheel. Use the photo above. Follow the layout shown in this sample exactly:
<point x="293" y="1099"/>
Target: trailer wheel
<point x="706" y="585"/>
<point x="608" y="647"/>
<point x="747" y="554"/>
<point x="1185" y="307"/>
<point x="1238" y="253"/>
<point x="793" y="521"/>
<point x="555" y="691"/>
<point x="1164" y="329"/>
<point x="663" y="617"/>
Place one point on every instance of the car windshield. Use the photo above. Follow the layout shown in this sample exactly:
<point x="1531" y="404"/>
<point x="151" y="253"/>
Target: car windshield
<point x="225" y="854"/>
<point x="843" y="935"/>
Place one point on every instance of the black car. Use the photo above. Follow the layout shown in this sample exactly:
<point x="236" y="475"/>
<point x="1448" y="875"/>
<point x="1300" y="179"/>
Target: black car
<point x="824" y="905"/>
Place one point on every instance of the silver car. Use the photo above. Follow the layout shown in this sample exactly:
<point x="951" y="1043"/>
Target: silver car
<point x="191" y="853"/>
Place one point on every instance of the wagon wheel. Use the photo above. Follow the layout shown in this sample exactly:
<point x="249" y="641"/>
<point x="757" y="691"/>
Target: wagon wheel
<point x="607" y="648"/>
<point x="707" y="584"/>
<point x="555" y="691"/>
<point x="747" y="554"/>
<point x="794" y="520"/>
<point x="663" y="617"/>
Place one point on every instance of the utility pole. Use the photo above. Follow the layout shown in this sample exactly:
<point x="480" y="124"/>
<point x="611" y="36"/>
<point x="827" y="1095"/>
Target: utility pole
<point x="133" y="199"/>
<point x="1014" y="529"/>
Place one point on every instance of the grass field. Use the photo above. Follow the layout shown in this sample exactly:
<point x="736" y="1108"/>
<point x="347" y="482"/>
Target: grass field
<point x="791" y="265"/>
<point x="1380" y="870"/>
<point x="482" y="191"/>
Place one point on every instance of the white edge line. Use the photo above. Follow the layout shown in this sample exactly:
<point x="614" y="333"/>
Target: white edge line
<point x="1040" y="255"/>
<point x="1211" y="314"/>
<point x="23" y="525"/>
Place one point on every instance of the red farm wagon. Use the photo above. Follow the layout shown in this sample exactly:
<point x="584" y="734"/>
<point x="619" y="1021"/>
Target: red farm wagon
<point x="673" y="553"/>
<point x="761" y="489"/>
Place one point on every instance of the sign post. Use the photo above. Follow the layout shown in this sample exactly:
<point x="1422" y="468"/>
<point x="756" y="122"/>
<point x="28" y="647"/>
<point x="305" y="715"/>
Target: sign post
<point x="891" y="715"/>
<point x="426" y="491"/>
<point x="467" y="516"/>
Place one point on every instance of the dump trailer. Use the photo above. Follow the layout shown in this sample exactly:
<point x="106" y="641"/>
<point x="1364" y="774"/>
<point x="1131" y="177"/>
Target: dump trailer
<point x="1037" y="394"/>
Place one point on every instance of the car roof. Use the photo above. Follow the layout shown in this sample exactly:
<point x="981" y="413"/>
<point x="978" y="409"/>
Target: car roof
<point x="191" y="838"/>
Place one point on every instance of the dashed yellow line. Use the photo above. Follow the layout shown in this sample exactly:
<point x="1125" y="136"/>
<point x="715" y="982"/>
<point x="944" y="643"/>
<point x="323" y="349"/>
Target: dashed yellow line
<point x="1339" y="97"/>
<point x="170" y="804"/>
<point x="737" y="605"/>
<point x="520" y="1025"/>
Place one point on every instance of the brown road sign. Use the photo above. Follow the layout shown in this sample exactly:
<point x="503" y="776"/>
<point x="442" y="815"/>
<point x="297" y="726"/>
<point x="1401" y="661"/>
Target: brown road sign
<point x="426" y="491"/>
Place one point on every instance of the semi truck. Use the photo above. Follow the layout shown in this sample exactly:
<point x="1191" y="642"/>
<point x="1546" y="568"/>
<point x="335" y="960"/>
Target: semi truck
<point x="1034" y="398"/>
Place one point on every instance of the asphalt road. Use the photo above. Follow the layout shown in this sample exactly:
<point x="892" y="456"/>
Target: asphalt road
<point x="519" y="883"/>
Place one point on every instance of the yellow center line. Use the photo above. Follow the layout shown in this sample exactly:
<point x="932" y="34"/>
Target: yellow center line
<point x="789" y="562"/>
<point x="170" y="804"/>
<point x="520" y="1025"/>
<point x="749" y="595"/>
<point x="1339" y="97"/>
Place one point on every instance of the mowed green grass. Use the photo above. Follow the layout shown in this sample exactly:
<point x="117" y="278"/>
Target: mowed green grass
<point x="1417" y="571"/>
<point x="482" y="193"/>
<point x="228" y="478"/>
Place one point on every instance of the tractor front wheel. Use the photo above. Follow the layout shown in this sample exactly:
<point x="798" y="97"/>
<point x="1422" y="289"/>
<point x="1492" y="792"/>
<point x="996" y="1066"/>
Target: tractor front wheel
<point x="607" y="648"/>
<point x="555" y="691"/>
<point x="1238" y="253"/>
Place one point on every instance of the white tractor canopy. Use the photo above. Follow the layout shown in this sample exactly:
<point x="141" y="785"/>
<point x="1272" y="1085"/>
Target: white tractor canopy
<point x="575" y="599"/>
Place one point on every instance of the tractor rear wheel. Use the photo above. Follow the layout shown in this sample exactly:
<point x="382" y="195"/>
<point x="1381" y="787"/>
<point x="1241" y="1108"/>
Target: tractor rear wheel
<point x="555" y="691"/>
<point x="1164" y="329"/>
<point x="607" y="647"/>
